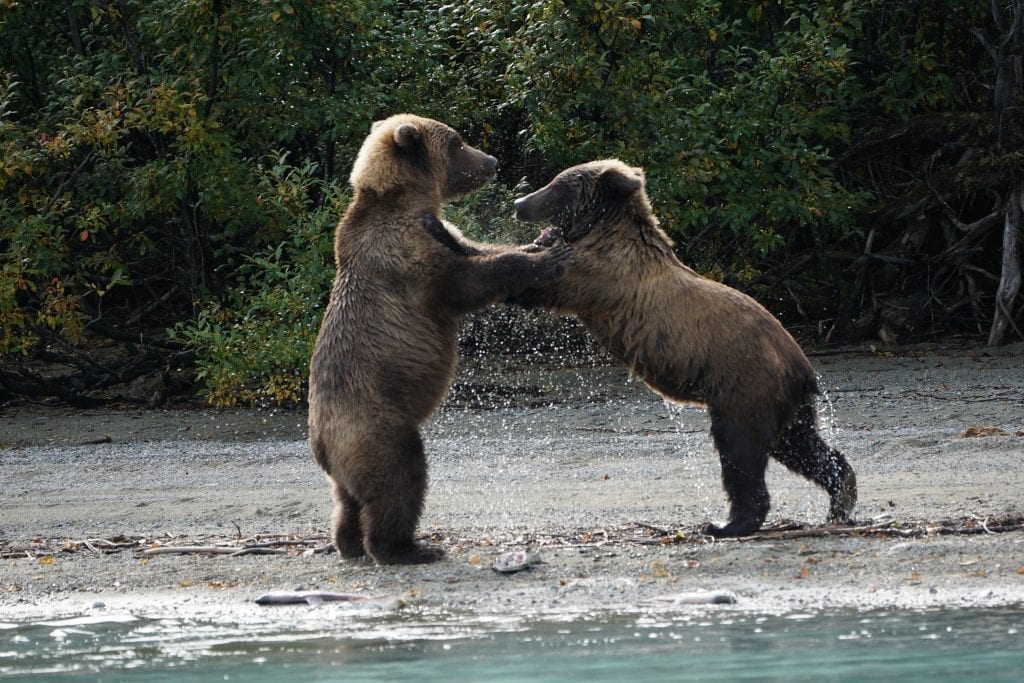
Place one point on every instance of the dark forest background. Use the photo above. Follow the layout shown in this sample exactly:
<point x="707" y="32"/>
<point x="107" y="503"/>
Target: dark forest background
<point x="172" y="170"/>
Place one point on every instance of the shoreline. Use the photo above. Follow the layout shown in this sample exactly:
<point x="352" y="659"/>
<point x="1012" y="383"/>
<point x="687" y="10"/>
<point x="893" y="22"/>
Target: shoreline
<point x="577" y="461"/>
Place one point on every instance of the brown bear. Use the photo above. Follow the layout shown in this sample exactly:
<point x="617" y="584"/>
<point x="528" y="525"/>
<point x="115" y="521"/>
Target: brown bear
<point x="689" y="338"/>
<point x="386" y="352"/>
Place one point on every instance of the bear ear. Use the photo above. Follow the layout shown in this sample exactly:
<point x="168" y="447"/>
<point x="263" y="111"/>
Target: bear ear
<point x="616" y="182"/>
<point x="407" y="135"/>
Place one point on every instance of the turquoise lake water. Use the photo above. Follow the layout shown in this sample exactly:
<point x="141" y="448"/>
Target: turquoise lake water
<point x="329" y="645"/>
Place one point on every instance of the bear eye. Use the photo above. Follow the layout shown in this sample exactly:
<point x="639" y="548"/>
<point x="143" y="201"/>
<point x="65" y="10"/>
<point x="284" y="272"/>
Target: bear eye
<point x="455" y="145"/>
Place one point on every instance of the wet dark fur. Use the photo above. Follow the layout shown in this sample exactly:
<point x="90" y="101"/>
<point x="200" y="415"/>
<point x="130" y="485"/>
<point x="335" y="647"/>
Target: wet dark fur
<point x="386" y="352"/>
<point x="687" y="337"/>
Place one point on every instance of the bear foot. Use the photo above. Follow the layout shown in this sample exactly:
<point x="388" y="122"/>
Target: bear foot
<point x="743" y="525"/>
<point x="411" y="554"/>
<point x="348" y="540"/>
<point x="350" y="551"/>
<point x="727" y="531"/>
<point x="844" y="501"/>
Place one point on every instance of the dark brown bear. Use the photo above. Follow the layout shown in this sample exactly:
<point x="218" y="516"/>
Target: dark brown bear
<point x="689" y="338"/>
<point x="386" y="352"/>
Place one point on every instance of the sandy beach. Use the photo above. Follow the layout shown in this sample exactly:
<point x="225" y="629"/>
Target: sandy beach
<point x="582" y="465"/>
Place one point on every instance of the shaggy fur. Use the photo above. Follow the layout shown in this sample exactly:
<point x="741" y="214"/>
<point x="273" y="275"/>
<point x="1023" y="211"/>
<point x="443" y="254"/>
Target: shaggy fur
<point x="386" y="352"/>
<point x="689" y="338"/>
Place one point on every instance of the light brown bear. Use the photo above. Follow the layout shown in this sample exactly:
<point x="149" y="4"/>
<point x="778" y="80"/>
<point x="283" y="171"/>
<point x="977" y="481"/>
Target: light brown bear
<point x="689" y="338"/>
<point x="386" y="352"/>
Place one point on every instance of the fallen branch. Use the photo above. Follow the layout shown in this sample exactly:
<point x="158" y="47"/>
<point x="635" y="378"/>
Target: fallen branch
<point x="822" y="532"/>
<point x="966" y="526"/>
<point x="657" y="529"/>
<point x="212" y="550"/>
<point x="191" y="550"/>
<point x="108" y="546"/>
<point x="992" y="396"/>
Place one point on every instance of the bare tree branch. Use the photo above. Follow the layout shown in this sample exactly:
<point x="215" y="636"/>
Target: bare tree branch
<point x="997" y="15"/>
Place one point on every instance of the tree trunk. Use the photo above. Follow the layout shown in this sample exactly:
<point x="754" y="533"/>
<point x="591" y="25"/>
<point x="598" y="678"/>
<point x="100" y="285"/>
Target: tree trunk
<point x="1007" y="53"/>
<point x="1009" y="283"/>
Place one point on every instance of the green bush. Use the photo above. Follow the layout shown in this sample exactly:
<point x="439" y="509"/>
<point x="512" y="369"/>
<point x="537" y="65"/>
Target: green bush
<point x="253" y="346"/>
<point x="137" y="194"/>
<point x="734" y="130"/>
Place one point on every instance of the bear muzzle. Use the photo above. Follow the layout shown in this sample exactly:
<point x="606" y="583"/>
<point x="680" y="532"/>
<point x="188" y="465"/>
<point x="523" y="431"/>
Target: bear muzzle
<point x="530" y="208"/>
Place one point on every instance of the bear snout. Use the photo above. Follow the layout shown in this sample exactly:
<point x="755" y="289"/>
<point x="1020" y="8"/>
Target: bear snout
<point x="528" y="209"/>
<point x="518" y="204"/>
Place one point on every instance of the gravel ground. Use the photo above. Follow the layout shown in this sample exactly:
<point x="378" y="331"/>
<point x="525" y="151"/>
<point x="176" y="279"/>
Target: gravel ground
<point x="582" y="465"/>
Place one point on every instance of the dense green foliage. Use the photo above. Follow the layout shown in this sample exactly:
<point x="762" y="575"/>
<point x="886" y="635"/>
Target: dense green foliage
<point x="179" y="164"/>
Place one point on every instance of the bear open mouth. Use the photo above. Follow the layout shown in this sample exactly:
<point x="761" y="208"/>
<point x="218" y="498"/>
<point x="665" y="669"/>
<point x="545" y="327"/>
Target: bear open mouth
<point x="548" y="236"/>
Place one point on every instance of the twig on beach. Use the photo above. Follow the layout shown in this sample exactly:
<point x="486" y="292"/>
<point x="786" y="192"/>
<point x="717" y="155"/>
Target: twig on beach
<point x="249" y="550"/>
<point x="633" y="533"/>
<point x="316" y="542"/>
<point x="242" y="547"/>
<point x="190" y="550"/>
<point x="988" y="397"/>
<point x="964" y="527"/>
<point x="821" y="532"/>
<point x="213" y="550"/>
<point x="783" y="531"/>
<point x="108" y="545"/>
<point x="95" y="442"/>
<point x="657" y="529"/>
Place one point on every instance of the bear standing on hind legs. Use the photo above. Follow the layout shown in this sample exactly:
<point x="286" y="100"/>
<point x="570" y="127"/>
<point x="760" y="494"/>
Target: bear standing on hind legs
<point x="689" y="338"/>
<point x="387" y="348"/>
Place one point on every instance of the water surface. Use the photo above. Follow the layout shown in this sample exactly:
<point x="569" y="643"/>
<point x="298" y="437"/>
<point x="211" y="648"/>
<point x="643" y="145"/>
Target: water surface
<point x="326" y="644"/>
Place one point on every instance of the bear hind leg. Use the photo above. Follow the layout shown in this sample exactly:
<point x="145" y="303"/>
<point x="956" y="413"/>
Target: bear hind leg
<point x="744" y="459"/>
<point x="347" y="525"/>
<point x="802" y="450"/>
<point x="392" y="490"/>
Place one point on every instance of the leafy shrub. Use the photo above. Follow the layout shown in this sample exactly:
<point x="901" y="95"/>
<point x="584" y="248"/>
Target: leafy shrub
<point x="136" y="193"/>
<point x="254" y="347"/>
<point x="733" y="130"/>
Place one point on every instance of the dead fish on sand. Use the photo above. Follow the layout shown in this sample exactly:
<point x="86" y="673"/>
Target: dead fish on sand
<point x="698" y="598"/>
<point x="309" y="597"/>
<point x="516" y="561"/>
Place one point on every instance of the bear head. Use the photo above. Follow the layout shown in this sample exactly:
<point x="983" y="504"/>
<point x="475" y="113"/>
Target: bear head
<point x="408" y="152"/>
<point x="585" y="196"/>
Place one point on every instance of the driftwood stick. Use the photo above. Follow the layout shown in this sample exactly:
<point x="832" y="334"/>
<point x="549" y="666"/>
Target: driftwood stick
<point x="213" y="550"/>
<point x="290" y="541"/>
<point x="190" y="550"/>
<point x="838" y="531"/>
<point x="250" y="550"/>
